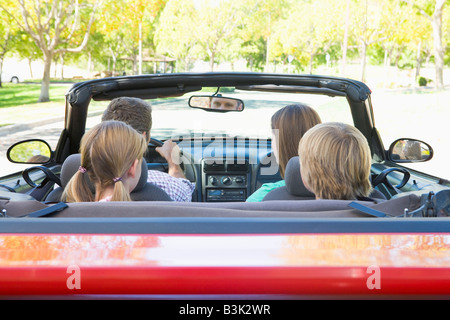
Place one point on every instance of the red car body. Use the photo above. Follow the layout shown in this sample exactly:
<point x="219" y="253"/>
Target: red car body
<point x="217" y="248"/>
<point x="279" y="266"/>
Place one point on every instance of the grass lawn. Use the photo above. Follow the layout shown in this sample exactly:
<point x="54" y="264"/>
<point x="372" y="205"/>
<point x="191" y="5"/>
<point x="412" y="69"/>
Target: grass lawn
<point x="12" y="95"/>
<point x="18" y="103"/>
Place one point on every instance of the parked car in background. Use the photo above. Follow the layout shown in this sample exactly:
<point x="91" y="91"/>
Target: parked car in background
<point x="13" y="78"/>
<point x="219" y="246"/>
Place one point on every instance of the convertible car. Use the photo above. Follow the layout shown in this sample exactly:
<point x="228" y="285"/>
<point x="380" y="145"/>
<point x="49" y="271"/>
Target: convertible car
<point x="218" y="246"/>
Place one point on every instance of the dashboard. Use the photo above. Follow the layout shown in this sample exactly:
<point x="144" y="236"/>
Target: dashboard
<point x="224" y="169"/>
<point x="227" y="180"/>
<point x="230" y="169"/>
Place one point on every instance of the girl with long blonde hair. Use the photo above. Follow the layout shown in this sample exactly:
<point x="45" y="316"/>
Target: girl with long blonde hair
<point x="111" y="155"/>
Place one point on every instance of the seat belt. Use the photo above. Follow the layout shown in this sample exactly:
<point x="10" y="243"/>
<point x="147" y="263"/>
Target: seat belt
<point x="46" y="211"/>
<point x="368" y="210"/>
<point x="39" y="213"/>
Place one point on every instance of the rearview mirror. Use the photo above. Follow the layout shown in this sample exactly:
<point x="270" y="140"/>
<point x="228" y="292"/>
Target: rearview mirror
<point x="30" y="151"/>
<point x="216" y="103"/>
<point x="409" y="150"/>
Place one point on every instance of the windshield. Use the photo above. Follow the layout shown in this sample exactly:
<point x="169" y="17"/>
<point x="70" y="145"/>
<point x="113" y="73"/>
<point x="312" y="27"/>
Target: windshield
<point x="173" y="118"/>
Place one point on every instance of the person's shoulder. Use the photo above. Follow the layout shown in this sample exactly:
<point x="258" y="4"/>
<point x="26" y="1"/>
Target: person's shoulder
<point x="280" y="183"/>
<point x="265" y="188"/>
<point x="157" y="173"/>
<point x="272" y="185"/>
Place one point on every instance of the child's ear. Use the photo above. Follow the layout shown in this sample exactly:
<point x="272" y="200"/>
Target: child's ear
<point x="132" y="171"/>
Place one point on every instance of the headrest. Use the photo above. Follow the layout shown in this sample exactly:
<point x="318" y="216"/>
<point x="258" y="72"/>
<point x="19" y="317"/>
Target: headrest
<point x="293" y="179"/>
<point x="73" y="162"/>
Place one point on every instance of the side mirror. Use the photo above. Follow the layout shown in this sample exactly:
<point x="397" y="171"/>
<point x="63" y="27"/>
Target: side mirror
<point x="216" y="103"/>
<point x="409" y="150"/>
<point x="29" y="151"/>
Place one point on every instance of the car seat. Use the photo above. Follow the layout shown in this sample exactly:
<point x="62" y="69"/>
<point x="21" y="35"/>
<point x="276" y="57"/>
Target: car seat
<point x="144" y="191"/>
<point x="295" y="189"/>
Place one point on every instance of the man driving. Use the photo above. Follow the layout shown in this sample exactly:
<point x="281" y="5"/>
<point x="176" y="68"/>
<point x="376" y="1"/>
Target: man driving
<point x="220" y="103"/>
<point x="138" y="114"/>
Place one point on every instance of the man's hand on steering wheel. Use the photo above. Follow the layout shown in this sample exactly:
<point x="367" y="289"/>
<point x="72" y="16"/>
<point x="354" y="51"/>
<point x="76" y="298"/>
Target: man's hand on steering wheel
<point x="171" y="152"/>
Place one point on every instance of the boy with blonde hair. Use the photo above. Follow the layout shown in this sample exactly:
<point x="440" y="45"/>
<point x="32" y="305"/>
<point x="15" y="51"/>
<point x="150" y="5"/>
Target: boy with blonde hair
<point x="335" y="162"/>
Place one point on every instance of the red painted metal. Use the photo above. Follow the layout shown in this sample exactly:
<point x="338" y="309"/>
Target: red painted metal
<point x="325" y="264"/>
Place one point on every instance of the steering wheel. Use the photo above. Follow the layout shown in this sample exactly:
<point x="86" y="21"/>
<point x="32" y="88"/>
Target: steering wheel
<point x="49" y="176"/>
<point x="156" y="142"/>
<point x="189" y="171"/>
<point x="382" y="177"/>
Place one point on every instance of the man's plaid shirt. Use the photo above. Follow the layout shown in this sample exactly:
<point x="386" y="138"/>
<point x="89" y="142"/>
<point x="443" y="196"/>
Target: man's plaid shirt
<point x="178" y="189"/>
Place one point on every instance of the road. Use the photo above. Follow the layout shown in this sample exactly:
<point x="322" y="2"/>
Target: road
<point x="397" y="116"/>
<point x="49" y="132"/>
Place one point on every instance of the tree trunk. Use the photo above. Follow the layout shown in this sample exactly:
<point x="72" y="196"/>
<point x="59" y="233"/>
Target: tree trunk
<point x="363" y="61"/>
<point x="186" y="65"/>
<point x="418" y="59"/>
<point x="211" y="61"/>
<point x="345" y="44"/>
<point x="266" y="67"/>
<point x="438" y="49"/>
<point x="61" y="58"/>
<point x="1" y="70"/>
<point x="4" y="47"/>
<point x="30" y="67"/>
<point x="45" y="85"/>
<point x="114" y="58"/>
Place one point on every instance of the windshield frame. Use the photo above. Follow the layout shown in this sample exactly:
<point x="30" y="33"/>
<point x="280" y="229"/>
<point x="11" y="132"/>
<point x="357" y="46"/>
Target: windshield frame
<point x="154" y="86"/>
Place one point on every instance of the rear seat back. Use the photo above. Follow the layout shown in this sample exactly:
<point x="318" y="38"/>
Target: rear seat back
<point x="272" y="209"/>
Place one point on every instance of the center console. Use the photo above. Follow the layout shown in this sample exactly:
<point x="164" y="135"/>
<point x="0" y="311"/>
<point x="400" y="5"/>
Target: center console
<point x="225" y="180"/>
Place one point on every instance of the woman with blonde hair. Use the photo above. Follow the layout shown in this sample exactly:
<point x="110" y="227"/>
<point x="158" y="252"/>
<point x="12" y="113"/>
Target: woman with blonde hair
<point x="335" y="162"/>
<point x="289" y="124"/>
<point x="111" y="155"/>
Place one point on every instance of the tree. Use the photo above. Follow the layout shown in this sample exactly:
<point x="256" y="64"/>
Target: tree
<point x="7" y="30"/>
<point x="199" y="29"/>
<point x="216" y="23"/>
<point x="410" y="31"/>
<point x="257" y="28"/>
<point x="126" y="37"/>
<point x="367" y="29"/>
<point x="178" y="15"/>
<point x="55" y="26"/>
<point x="316" y="34"/>
<point x="24" y="46"/>
<point x="433" y="11"/>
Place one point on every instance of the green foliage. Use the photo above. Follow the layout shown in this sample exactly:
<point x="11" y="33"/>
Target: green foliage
<point x="254" y="52"/>
<point x="407" y="60"/>
<point x="259" y="31"/>
<point x="422" y="81"/>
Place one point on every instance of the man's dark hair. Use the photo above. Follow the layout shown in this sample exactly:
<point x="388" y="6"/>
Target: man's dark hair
<point x="134" y="111"/>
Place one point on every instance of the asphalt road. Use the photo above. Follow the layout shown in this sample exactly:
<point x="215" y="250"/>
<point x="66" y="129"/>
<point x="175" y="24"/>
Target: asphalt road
<point x="407" y="119"/>
<point x="49" y="132"/>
